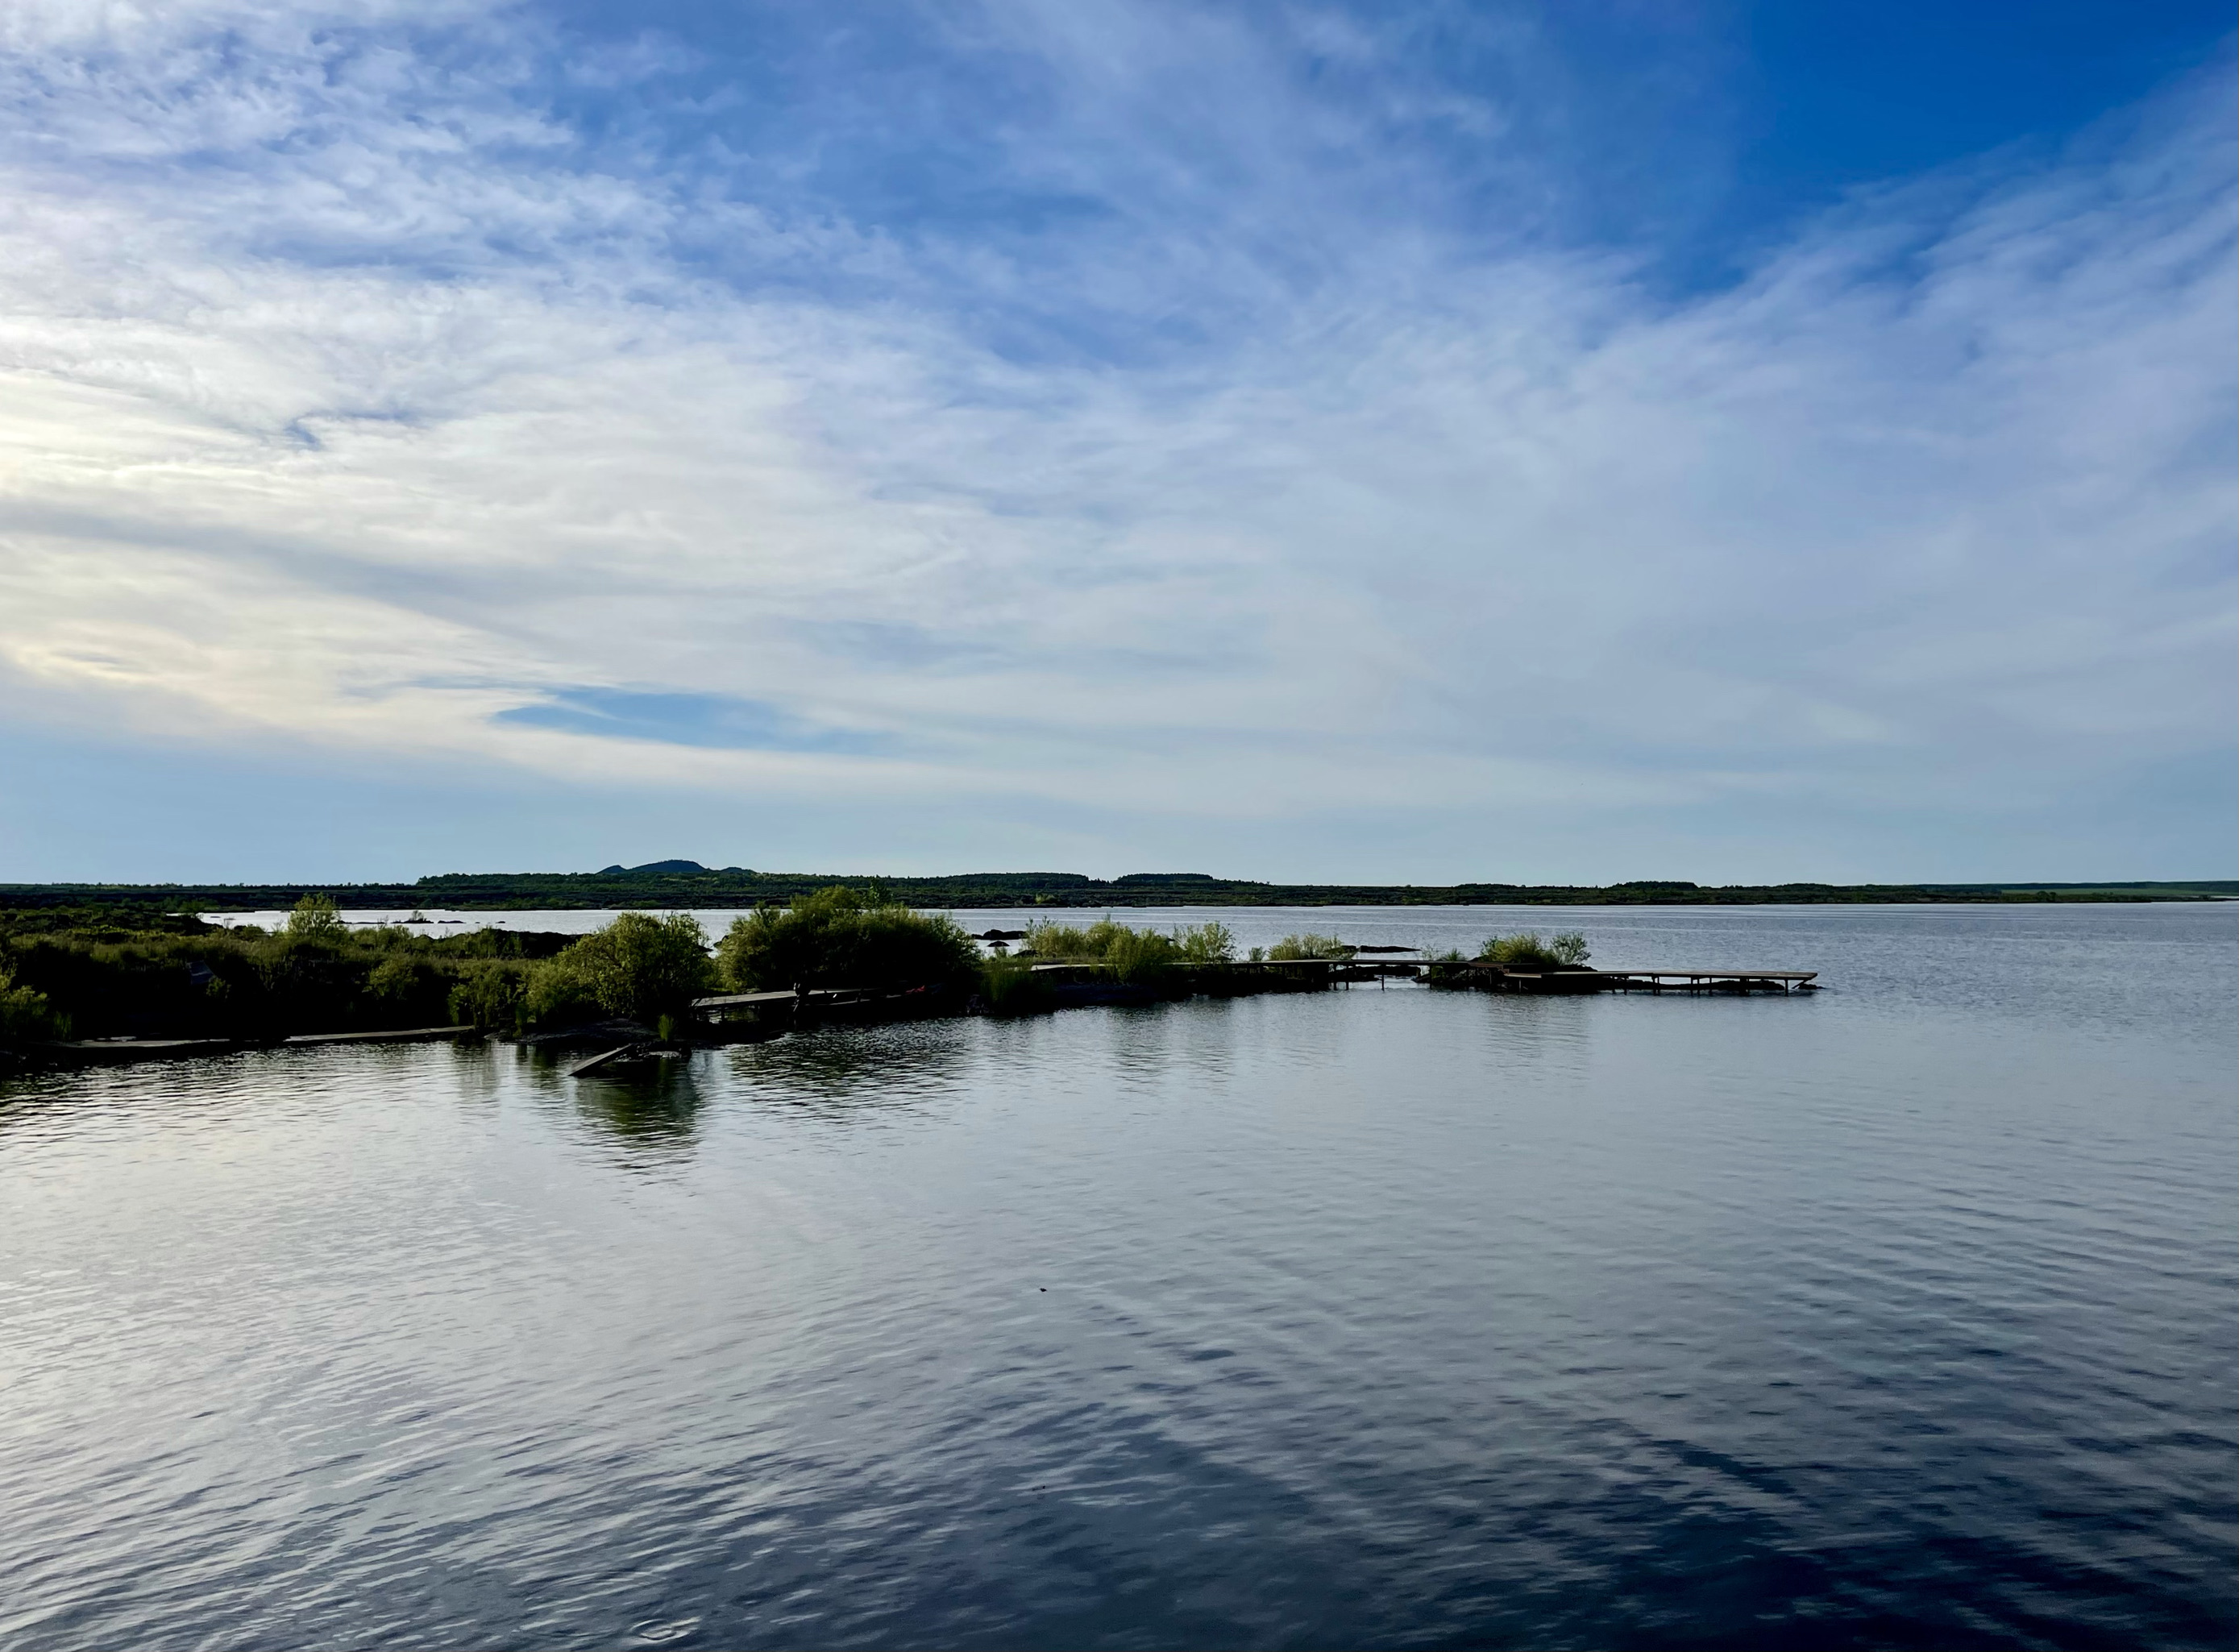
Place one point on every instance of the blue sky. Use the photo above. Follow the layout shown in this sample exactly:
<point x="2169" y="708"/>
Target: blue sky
<point x="1412" y="443"/>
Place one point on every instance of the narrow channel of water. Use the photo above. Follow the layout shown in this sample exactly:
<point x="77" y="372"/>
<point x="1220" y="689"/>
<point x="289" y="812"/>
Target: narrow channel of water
<point x="1904" y="1314"/>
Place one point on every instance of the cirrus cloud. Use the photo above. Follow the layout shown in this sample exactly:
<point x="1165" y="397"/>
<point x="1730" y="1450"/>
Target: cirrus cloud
<point x="365" y="379"/>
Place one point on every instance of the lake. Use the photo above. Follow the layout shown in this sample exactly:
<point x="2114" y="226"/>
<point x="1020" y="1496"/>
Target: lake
<point x="1906" y="1313"/>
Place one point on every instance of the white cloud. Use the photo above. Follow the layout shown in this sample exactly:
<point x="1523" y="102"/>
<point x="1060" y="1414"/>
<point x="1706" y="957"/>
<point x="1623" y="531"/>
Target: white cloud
<point x="335" y="407"/>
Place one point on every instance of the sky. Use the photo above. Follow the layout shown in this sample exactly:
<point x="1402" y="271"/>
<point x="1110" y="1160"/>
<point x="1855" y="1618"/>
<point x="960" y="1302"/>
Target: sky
<point x="1381" y="443"/>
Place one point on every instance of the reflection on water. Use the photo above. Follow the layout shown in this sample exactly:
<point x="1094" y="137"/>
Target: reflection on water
<point x="1897" y="1316"/>
<point x="840" y="1073"/>
<point x="652" y="1105"/>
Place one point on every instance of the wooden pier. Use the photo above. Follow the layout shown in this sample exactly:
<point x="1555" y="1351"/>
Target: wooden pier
<point x="407" y="1035"/>
<point x="1505" y="978"/>
<point x="817" y="996"/>
<point x="1712" y="980"/>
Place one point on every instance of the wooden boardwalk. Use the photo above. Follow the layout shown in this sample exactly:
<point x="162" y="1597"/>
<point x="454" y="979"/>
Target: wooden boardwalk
<point x="751" y="1000"/>
<point x="1711" y="980"/>
<point x="821" y="997"/>
<point x="1508" y="978"/>
<point x="408" y="1035"/>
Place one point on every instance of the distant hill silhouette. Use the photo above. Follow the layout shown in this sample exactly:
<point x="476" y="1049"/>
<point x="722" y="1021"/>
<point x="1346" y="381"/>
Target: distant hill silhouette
<point x="674" y="884"/>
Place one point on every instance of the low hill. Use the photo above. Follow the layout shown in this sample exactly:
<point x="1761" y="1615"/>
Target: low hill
<point x="665" y="884"/>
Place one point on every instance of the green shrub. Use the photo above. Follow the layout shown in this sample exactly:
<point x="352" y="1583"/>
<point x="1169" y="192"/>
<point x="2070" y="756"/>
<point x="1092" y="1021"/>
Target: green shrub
<point x="399" y="978"/>
<point x="1009" y="986"/>
<point x="558" y="994"/>
<point x="491" y="993"/>
<point x="105" y="972"/>
<point x="1294" y="947"/>
<point x="842" y="937"/>
<point x="25" y="1015"/>
<point x="1132" y="957"/>
<point x="1527" y="951"/>
<point x="317" y="920"/>
<point x="1139" y="957"/>
<point x="497" y="943"/>
<point x="156" y="985"/>
<point x="1055" y="943"/>
<point x="639" y="967"/>
<point x="1209" y="943"/>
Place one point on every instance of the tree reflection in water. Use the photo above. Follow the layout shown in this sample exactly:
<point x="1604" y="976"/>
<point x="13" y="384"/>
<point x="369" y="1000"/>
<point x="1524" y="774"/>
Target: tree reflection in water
<point x="653" y="1109"/>
<point x="843" y="1073"/>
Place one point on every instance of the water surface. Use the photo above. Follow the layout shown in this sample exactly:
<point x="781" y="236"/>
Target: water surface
<point x="1904" y="1314"/>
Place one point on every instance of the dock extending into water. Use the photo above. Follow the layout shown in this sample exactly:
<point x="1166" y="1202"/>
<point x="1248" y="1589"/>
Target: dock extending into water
<point x="1505" y="978"/>
<point x="1501" y="978"/>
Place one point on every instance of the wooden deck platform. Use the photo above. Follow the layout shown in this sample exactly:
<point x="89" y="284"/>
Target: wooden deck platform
<point x="822" y="996"/>
<point x="1711" y="980"/>
<point x="409" y="1035"/>
<point x="1507" y="978"/>
<point x="108" y="1053"/>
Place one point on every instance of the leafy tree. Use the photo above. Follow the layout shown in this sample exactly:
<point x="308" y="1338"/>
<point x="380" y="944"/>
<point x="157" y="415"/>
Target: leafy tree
<point x="844" y="937"/>
<point x="393" y="978"/>
<point x="25" y="1015"/>
<point x="491" y="993"/>
<point x="639" y="966"/>
<point x="558" y="993"/>
<point x="1209" y="943"/>
<point x="317" y="920"/>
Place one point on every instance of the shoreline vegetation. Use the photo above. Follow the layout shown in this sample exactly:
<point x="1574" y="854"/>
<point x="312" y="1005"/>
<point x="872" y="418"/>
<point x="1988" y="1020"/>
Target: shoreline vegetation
<point x="84" y="986"/>
<point x="667" y="884"/>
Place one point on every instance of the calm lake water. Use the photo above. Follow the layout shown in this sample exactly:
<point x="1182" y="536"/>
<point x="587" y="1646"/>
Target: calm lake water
<point x="1905" y="1314"/>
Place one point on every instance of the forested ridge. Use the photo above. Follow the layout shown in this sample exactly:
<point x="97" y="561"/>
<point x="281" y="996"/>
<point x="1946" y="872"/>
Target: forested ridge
<point x="683" y="884"/>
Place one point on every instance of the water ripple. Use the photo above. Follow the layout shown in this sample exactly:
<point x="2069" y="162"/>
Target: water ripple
<point x="1379" y="1318"/>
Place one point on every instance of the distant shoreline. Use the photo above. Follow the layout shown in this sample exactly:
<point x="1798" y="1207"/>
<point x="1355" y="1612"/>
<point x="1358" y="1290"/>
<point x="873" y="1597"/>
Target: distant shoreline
<point x="667" y="886"/>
